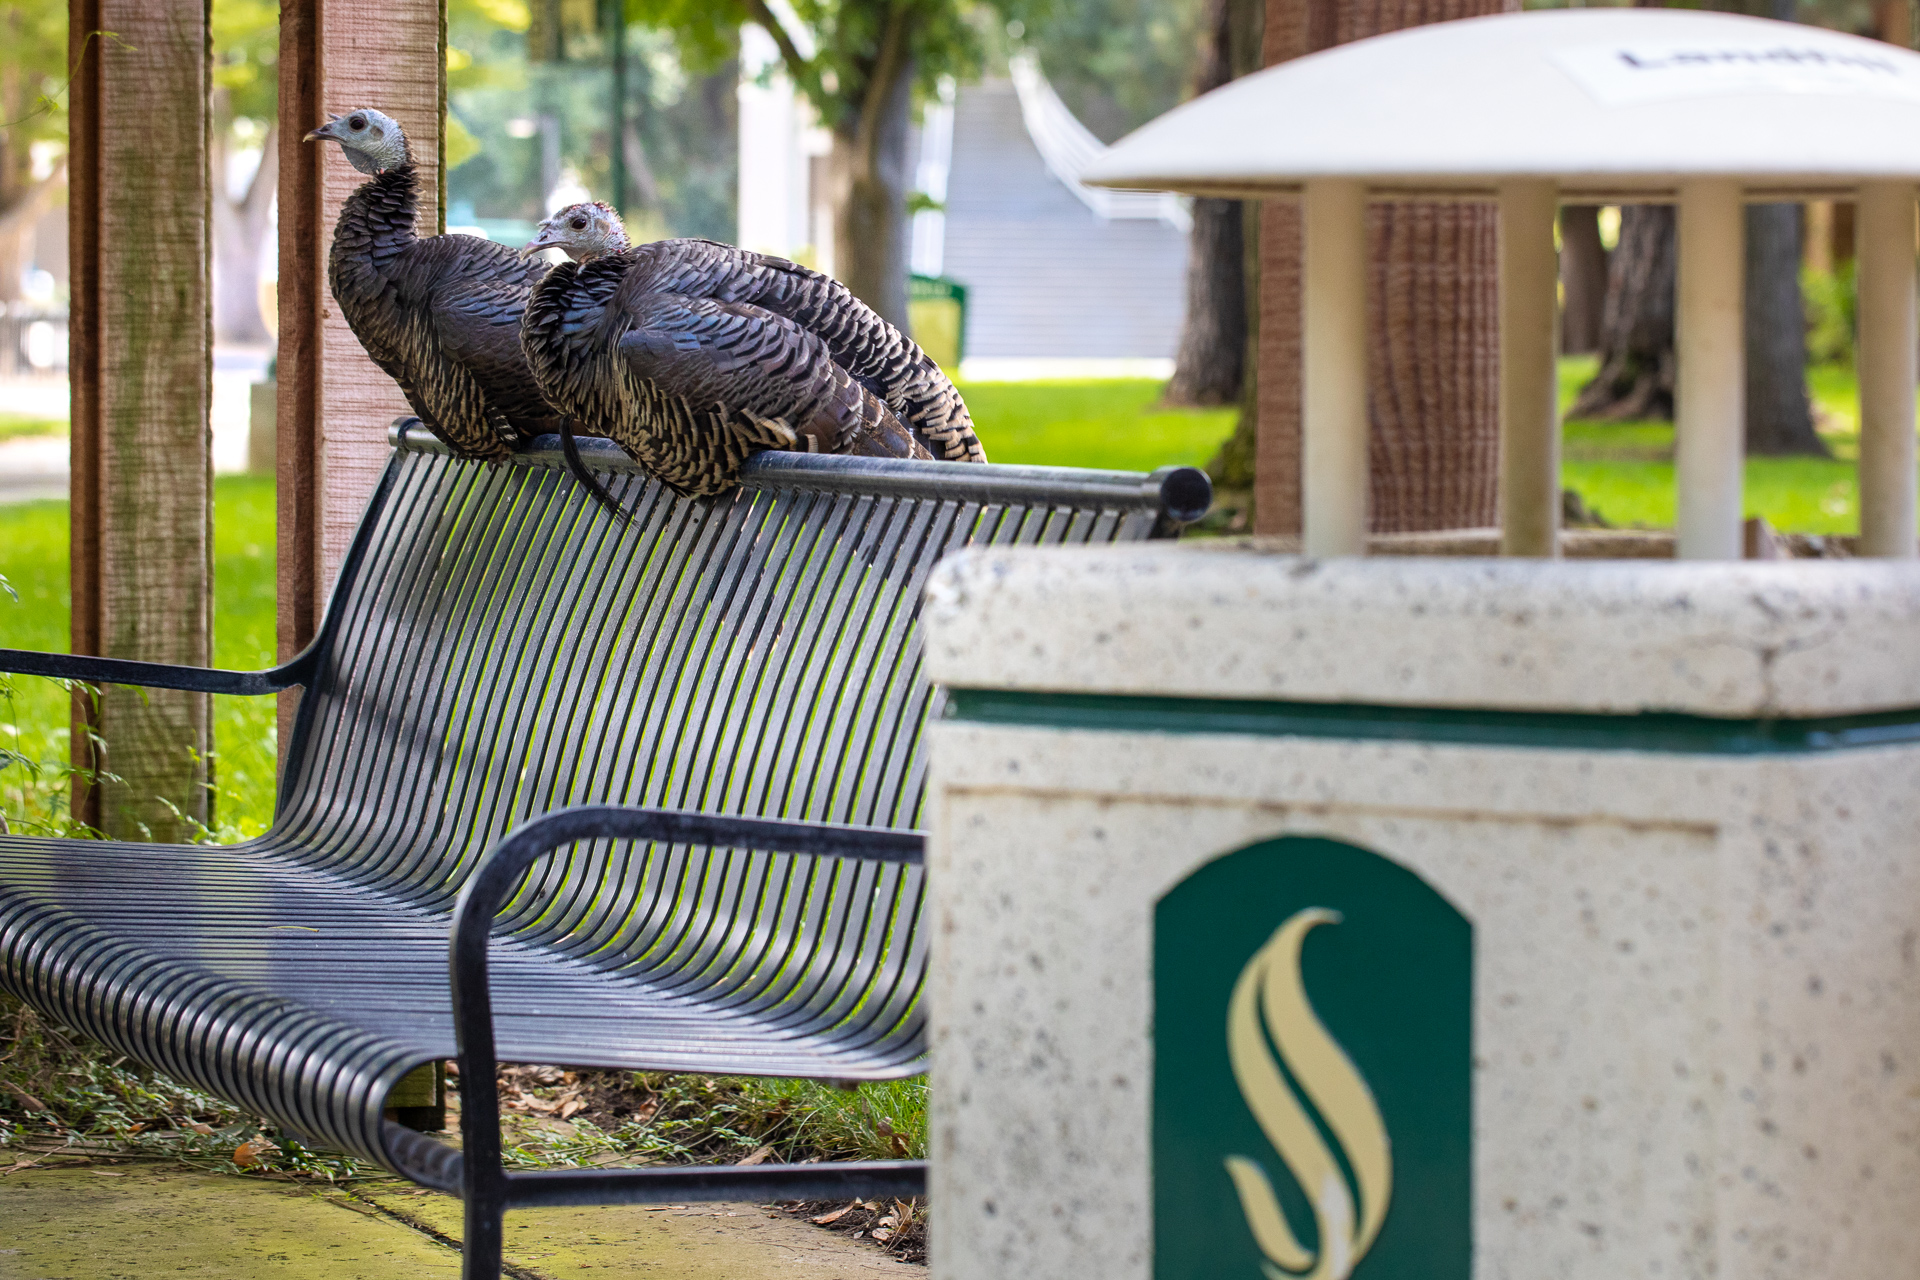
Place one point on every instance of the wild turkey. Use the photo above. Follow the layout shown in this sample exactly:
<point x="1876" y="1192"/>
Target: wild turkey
<point x="440" y="315"/>
<point x="692" y="355"/>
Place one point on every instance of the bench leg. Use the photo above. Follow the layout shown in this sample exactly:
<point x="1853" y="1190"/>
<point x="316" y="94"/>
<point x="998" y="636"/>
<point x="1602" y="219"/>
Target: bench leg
<point x="480" y="1258"/>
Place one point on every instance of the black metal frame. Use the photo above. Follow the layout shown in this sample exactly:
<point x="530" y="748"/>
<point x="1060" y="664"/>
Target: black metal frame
<point x="1175" y="496"/>
<point x="476" y="1174"/>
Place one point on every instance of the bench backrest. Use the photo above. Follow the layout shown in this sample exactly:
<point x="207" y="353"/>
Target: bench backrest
<point x="498" y="647"/>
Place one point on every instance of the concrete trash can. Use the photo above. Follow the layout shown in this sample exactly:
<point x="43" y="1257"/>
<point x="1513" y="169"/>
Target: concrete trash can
<point x="1399" y="918"/>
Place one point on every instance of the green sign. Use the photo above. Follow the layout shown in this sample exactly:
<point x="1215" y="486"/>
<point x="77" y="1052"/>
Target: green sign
<point x="1312" y="1095"/>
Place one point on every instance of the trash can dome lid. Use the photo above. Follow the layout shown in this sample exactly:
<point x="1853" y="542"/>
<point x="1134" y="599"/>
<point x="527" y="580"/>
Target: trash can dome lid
<point x="1610" y="102"/>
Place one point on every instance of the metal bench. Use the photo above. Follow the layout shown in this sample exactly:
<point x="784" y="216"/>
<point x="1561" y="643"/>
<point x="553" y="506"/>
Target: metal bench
<point x="657" y="781"/>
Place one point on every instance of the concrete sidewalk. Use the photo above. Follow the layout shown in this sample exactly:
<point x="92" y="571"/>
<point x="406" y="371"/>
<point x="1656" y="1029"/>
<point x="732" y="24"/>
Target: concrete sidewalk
<point x="132" y="1221"/>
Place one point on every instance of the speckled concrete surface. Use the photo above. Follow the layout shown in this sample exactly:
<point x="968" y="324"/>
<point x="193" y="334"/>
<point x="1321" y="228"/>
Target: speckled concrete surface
<point x="134" y="1221"/>
<point x="1806" y="638"/>
<point x="1697" y="987"/>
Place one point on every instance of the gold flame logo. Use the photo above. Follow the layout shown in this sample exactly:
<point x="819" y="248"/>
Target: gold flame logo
<point x="1270" y="1004"/>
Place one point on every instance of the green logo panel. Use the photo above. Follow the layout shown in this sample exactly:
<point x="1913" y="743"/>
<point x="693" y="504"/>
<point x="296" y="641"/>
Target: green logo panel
<point x="1312" y="1096"/>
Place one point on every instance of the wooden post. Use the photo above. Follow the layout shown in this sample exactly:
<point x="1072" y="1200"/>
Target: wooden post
<point x="141" y="373"/>
<point x="1709" y="348"/>
<point x="335" y="405"/>
<point x="1333" y="382"/>
<point x="1529" y="380"/>
<point x="1887" y="347"/>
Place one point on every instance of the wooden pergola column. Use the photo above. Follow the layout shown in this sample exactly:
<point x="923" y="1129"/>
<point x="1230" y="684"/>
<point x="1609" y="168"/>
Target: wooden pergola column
<point x="1433" y="322"/>
<point x="141" y="362"/>
<point x="334" y="405"/>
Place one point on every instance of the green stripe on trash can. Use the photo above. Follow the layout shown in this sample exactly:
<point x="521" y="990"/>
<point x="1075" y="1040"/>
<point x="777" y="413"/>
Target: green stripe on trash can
<point x="1646" y="731"/>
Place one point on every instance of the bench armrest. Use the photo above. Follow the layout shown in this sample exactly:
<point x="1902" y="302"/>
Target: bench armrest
<point x="493" y="880"/>
<point x="156" y="675"/>
<point x="501" y="867"/>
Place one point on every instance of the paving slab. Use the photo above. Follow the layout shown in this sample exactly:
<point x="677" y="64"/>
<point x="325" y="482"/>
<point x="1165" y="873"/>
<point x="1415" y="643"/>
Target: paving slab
<point x="131" y="1221"/>
<point x="674" y="1242"/>
<point x="137" y="1222"/>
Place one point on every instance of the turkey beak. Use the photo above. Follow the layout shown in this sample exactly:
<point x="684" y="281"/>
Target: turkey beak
<point x="324" y="132"/>
<point x="547" y="237"/>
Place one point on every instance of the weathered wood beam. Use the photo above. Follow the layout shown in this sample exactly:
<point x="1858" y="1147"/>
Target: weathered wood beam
<point x="141" y="365"/>
<point x="334" y="404"/>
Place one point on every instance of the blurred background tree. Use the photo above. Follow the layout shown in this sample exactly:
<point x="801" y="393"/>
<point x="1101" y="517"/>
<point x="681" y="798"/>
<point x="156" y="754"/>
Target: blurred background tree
<point x="860" y="63"/>
<point x="33" y="107"/>
<point x="539" y="92"/>
<point x="243" y="153"/>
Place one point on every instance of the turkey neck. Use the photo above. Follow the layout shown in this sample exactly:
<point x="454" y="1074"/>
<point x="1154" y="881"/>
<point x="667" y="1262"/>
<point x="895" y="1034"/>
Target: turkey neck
<point x="375" y="227"/>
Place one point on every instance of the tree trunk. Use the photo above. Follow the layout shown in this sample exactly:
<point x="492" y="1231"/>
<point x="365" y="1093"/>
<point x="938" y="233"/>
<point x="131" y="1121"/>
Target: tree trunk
<point x="1213" y="336"/>
<point x="870" y="185"/>
<point x="1583" y="275"/>
<point x="1234" y="466"/>
<point x="142" y="493"/>
<point x="239" y="241"/>
<point x="1432" y="315"/>
<point x="1636" y="327"/>
<point x="1779" y="417"/>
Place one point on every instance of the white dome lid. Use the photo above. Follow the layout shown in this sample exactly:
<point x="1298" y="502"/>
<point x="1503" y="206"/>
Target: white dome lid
<point x="1611" y="102"/>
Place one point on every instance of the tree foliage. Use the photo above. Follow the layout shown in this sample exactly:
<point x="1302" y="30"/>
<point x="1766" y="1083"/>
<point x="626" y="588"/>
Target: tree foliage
<point x="1119" y="63"/>
<point x="246" y="60"/>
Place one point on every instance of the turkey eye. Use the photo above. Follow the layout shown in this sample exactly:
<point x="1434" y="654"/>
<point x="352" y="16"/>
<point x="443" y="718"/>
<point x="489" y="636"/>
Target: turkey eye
<point x="579" y="224"/>
<point x="358" y="122"/>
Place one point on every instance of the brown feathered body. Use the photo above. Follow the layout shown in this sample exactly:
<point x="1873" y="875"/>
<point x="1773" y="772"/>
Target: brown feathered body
<point x="693" y="355"/>
<point x="441" y="315"/>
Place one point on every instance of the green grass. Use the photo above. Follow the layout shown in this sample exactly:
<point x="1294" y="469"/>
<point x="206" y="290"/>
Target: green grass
<point x="19" y="424"/>
<point x="34" y="720"/>
<point x="1624" y="470"/>
<point x="1112" y="424"/>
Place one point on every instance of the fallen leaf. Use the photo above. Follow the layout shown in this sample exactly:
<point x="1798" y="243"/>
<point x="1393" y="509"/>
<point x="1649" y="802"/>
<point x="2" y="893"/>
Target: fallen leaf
<point x="571" y="1107"/>
<point x="104" y="1173"/>
<point x="828" y="1219"/>
<point x="248" y="1153"/>
<point x="758" y="1157"/>
<point x="882" y="1234"/>
<point x="197" y="1127"/>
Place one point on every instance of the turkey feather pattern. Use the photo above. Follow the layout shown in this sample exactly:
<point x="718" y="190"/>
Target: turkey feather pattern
<point x="693" y="355"/>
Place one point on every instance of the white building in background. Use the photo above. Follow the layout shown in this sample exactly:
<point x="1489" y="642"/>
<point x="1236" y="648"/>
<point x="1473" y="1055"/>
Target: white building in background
<point x="927" y="252"/>
<point x="1062" y="279"/>
<point x="783" y="149"/>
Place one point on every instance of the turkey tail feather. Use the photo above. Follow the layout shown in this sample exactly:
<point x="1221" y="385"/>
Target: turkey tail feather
<point x="570" y="450"/>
